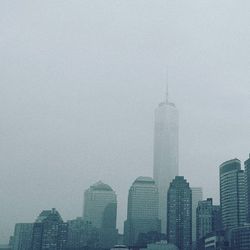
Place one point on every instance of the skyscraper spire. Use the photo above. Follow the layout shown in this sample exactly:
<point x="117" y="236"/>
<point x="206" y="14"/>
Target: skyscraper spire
<point x="167" y="86"/>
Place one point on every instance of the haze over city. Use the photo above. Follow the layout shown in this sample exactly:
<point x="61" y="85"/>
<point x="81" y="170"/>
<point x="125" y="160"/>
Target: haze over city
<point x="80" y="81"/>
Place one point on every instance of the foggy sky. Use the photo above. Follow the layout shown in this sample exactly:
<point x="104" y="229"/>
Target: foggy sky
<point x="79" y="84"/>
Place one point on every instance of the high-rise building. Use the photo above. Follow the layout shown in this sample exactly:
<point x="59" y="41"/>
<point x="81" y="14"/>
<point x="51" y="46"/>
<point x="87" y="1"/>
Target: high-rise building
<point x="143" y="208"/>
<point x="100" y="209"/>
<point x="165" y="153"/>
<point x="208" y="220"/>
<point x="49" y="231"/>
<point x="232" y="194"/>
<point x="197" y="196"/>
<point x="247" y="173"/>
<point x="179" y="202"/>
<point x="204" y="214"/>
<point x="22" y="236"/>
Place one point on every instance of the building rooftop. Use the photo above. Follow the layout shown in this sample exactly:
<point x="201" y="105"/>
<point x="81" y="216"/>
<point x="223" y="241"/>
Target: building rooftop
<point x="101" y="186"/>
<point x="49" y="215"/>
<point x="143" y="179"/>
<point x="230" y="165"/>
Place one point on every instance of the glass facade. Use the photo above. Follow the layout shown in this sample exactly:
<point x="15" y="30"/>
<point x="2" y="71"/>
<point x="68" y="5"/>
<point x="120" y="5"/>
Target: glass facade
<point x="100" y="209"/>
<point x="143" y="208"/>
<point x="179" y="214"/>
<point x="232" y="194"/>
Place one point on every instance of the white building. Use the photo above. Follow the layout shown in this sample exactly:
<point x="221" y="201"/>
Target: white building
<point x="165" y="153"/>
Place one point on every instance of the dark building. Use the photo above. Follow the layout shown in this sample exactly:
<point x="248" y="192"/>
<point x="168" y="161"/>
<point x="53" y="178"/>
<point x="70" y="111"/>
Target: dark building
<point x="49" y="231"/>
<point x="179" y="214"/>
<point x="239" y="238"/>
<point x="247" y="174"/>
<point x="22" y="236"/>
<point x="232" y="194"/>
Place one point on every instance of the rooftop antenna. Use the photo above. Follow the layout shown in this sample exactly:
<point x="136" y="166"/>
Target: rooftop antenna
<point x="167" y="91"/>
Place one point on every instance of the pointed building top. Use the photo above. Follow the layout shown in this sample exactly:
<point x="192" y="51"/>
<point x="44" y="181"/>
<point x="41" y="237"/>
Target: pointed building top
<point x="167" y="87"/>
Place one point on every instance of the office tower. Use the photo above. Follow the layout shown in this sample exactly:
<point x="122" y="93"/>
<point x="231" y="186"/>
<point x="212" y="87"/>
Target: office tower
<point x="143" y="208"/>
<point x="204" y="214"/>
<point x="22" y="236"/>
<point x="49" y="231"/>
<point x="179" y="202"/>
<point x="100" y="208"/>
<point x="208" y="220"/>
<point x="82" y="234"/>
<point x="239" y="238"/>
<point x="247" y="173"/>
<point x="165" y="153"/>
<point x="232" y="194"/>
<point x="196" y="197"/>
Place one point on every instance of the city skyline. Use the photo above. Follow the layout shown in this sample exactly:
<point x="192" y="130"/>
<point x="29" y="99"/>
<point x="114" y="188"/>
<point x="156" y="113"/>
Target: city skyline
<point x="79" y="85"/>
<point x="97" y="227"/>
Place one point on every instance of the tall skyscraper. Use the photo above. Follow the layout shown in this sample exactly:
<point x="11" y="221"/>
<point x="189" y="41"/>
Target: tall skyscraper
<point x="247" y="173"/>
<point x="49" y="231"/>
<point x="232" y="194"/>
<point x="196" y="197"/>
<point x="165" y="153"/>
<point x="100" y="208"/>
<point x="143" y="208"/>
<point x="179" y="202"/>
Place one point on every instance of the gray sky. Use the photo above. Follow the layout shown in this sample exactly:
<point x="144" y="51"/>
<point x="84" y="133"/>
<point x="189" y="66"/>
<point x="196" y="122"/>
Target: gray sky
<point x="79" y="83"/>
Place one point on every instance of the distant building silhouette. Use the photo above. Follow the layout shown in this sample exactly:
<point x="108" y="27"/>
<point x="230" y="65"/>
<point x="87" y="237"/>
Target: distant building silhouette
<point x="100" y="209"/>
<point x="196" y="197"/>
<point x="49" y="231"/>
<point x="22" y="236"/>
<point x="165" y="153"/>
<point x="232" y="194"/>
<point x="143" y="208"/>
<point x="179" y="227"/>
<point x="247" y="173"/>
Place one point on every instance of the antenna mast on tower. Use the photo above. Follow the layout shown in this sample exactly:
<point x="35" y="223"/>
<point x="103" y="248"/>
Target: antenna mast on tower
<point x="167" y="92"/>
